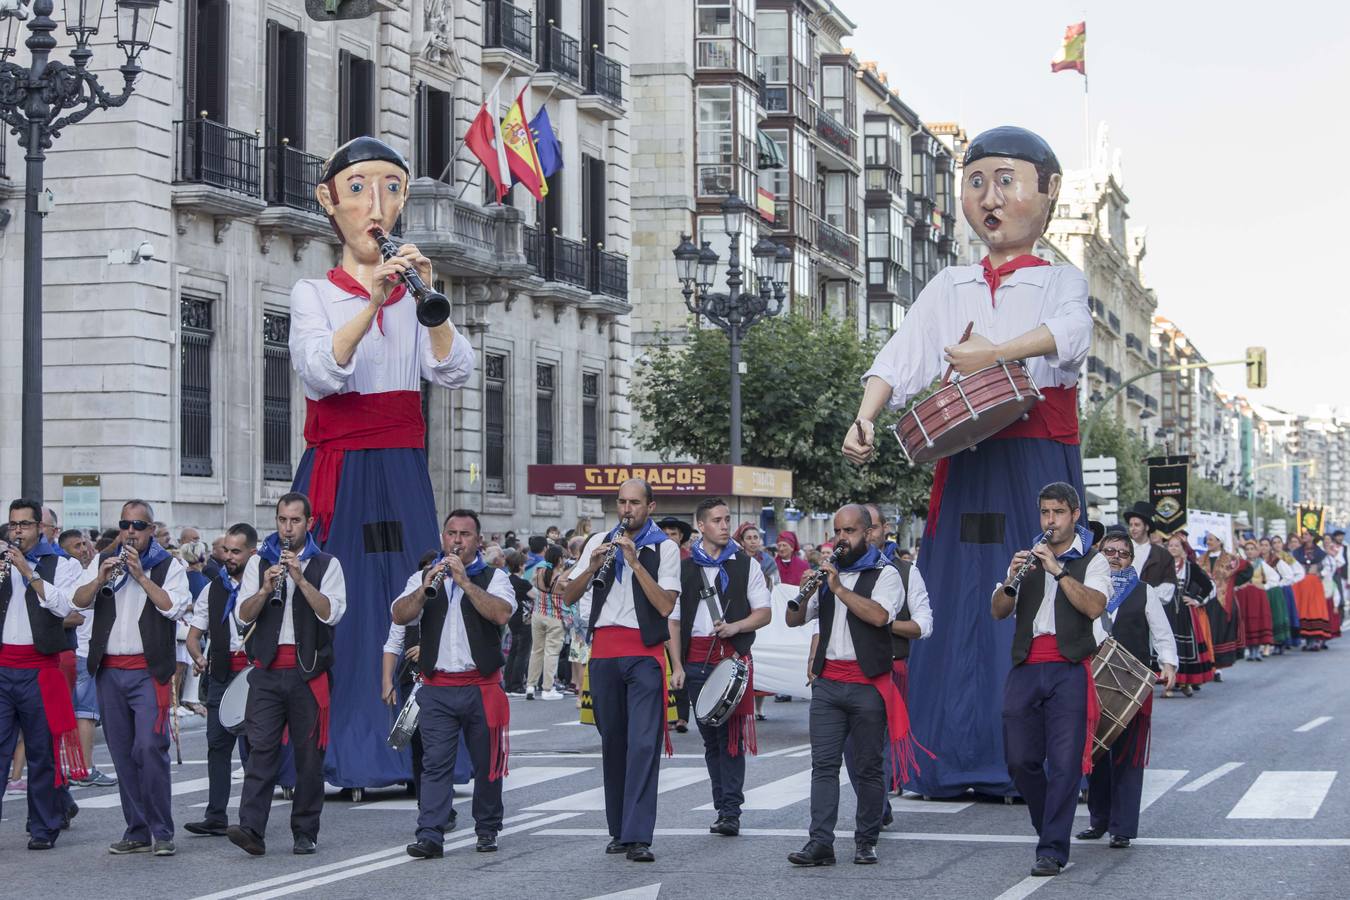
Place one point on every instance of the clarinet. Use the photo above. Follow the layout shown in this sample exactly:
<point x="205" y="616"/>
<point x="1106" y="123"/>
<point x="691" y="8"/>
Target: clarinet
<point x="811" y="583"/>
<point x="281" y="581"/>
<point x="433" y="589"/>
<point x="432" y="306"/>
<point x="1016" y="581"/>
<point x="606" y="569"/>
<point x="115" y="573"/>
<point x="5" y="564"/>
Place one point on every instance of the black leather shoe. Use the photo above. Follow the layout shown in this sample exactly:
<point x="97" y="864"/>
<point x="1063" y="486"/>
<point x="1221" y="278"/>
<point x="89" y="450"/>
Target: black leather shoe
<point x="246" y="839"/>
<point x="639" y="852"/>
<point x="812" y="854"/>
<point x="36" y="844"/>
<point x="1090" y="834"/>
<point x="425" y="849"/>
<point x="487" y="843"/>
<point x="207" y="829"/>
<point x="1119" y="843"/>
<point x="303" y="846"/>
<point x="616" y="846"/>
<point x="726" y="826"/>
<point x="69" y="815"/>
<point x="1046" y="866"/>
<point x="865" y="855"/>
<point x="887" y="818"/>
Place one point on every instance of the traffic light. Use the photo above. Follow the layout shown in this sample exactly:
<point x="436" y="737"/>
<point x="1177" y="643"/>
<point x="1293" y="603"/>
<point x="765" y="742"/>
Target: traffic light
<point x="1256" y="367"/>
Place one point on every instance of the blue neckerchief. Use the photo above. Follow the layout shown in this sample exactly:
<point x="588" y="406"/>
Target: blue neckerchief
<point x="472" y="569"/>
<point x="869" y="560"/>
<point x="1084" y="538"/>
<point x="701" y="558"/>
<point x="1122" y="583"/>
<point x="649" y="535"/>
<point x="270" y="551"/>
<point x="42" y="548"/>
<point x="230" y="585"/>
<point x="153" y="556"/>
<point x="888" y="552"/>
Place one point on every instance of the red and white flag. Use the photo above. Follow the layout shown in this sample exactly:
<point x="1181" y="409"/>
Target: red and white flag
<point x="484" y="140"/>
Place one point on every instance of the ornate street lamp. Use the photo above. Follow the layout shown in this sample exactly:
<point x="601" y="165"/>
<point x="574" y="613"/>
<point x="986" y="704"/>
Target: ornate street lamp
<point x="735" y="310"/>
<point x="32" y="99"/>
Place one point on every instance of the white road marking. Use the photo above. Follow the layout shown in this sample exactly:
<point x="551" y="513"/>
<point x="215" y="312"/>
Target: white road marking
<point x="669" y="780"/>
<point x="1210" y="777"/>
<point x="1027" y="886"/>
<point x="563" y="754"/>
<point x="1156" y="783"/>
<point x="650" y="892"/>
<point x="940" y="837"/>
<point x="777" y="794"/>
<point x="786" y="751"/>
<point x="920" y="805"/>
<point x="234" y="803"/>
<point x="517" y="732"/>
<point x="1309" y="726"/>
<point x="109" y="801"/>
<point x="526" y="776"/>
<point x="1284" y="795"/>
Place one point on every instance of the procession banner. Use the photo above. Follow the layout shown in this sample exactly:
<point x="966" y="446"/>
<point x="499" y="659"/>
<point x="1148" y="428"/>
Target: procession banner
<point x="1202" y="524"/>
<point x="1167" y="479"/>
<point x="1311" y="518"/>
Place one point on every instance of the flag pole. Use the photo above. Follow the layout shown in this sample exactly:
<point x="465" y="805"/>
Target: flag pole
<point x="479" y="165"/>
<point x="1087" y="124"/>
<point x="509" y="70"/>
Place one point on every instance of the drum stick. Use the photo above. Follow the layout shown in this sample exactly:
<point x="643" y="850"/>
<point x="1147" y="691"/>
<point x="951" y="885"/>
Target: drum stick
<point x="965" y="336"/>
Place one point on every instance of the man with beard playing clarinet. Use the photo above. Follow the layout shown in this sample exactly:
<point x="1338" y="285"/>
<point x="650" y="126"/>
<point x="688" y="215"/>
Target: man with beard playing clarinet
<point x="292" y="605"/>
<point x="461" y="604"/>
<point x="627" y="609"/>
<point x="720" y="574"/>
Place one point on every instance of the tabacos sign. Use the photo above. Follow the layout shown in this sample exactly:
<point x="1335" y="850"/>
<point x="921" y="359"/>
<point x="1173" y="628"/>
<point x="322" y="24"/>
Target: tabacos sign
<point x="673" y="479"/>
<point x="665" y="479"/>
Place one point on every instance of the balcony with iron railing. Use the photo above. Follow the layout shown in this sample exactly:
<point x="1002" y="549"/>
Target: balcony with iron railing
<point x="836" y="243"/>
<point x="1112" y="377"/>
<point x="1135" y="393"/>
<point x="462" y="238"/>
<point x="1132" y="342"/>
<point x="834" y="135"/>
<point x="1152" y="356"/>
<point x="1151" y="402"/>
<point x="558" y="259"/>
<point x="216" y="171"/>
<point x="292" y="178"/>
<point x="1094" y="365"/>
<point x="508" y="28"/>
<point x="882" y="183"/>
<point x="1113" y="321"/>
<point x="559" y="55"/>
<point x="603" y="79"/>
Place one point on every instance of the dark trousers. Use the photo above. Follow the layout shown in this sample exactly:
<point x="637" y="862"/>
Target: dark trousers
<point x="839" y="711"/>
<point x="518" y="660"/>
<point x="726" y="772"/>
<point x="446" y="712"/>
<point x="21" y="711"/>
<point x="126" y="700"/>
<point x="1044" y="731"/>
<point x="628" y="696"/>
<point x="279" y="699"/>
<point x="1116" y="786"/>
<point x="220" y="744"/>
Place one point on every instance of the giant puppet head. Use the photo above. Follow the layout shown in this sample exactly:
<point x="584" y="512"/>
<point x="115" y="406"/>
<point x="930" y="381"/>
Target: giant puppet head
<point x="364" y="183"/>
<point x="1011" y="180"/>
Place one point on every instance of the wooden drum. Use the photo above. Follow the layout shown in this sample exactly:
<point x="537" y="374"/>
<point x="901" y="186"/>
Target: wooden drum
<point x="1123" y="683"/>
<point x="964" y="412"/>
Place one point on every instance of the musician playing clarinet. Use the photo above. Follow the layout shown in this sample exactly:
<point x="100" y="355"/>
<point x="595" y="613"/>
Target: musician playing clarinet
<point x="982" y="507"/>
<point x="461" y="605"/>
<point x="721" y="575"/>
<point x="1059" y="587"/>
<point x="288" y="612"/>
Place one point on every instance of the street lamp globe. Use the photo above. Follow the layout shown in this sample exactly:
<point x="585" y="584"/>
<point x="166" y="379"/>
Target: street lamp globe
<point x="766" y="259"/>
<point x="82" y="20"/>
<point x="686" y="258"/>
<point x="707" y="267"/>
<point x="135" y="25"/>
<point x="11" y="29"/>
<point x="782" y="263"/>
<point x="734" y="215"/>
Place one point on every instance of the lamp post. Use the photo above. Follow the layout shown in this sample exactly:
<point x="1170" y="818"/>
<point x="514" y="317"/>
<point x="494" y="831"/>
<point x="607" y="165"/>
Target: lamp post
<point x="735" y="310"/>
<point x="31" y="102"/>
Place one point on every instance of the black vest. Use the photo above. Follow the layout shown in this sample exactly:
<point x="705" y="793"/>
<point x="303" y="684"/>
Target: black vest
<point x="49" y="632"/>
<point x="871" y="643"/>
<point x="1073" y="630"/>
<point x="1130" y="624"/>
<point x="313" y="638"/>
<point x="158" y="634"/>
<point x="899" y="644"/>
<point x="735" y="600"/>
<point x="651" y="624"/>
<point x="219" y="627"/>
<point x="485" y="636"/>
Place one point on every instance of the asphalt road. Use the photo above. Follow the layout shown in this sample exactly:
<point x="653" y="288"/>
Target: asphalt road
<point x="1245" y="799"/>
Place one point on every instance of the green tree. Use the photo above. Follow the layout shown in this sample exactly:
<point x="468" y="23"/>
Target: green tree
<point x="798" y="400"/>
<point x="1110" y="437"/>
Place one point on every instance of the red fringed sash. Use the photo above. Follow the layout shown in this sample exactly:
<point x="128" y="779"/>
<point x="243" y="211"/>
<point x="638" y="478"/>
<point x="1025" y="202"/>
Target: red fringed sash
<point x="496" y="709"/>
<point x="614" y="641"/>
<point x="56" y="705"/>
<point x="1142" y="736"/>
<point x="1045" y="649"/>
<point x="318" y="686"/>
<point x="900" y="739"/>
<point x="741" y="727"/>
<point x="163" y="692"/>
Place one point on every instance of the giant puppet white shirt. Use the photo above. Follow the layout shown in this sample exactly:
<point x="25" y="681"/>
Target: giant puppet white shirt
<point x="396" y="360"/>
<point x="1053" y="296"/>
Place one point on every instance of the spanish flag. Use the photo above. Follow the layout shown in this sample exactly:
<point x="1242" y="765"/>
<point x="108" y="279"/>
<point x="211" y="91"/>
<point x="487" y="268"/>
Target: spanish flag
<point x="1073" y="53"/>
<point x="521" y="157"/>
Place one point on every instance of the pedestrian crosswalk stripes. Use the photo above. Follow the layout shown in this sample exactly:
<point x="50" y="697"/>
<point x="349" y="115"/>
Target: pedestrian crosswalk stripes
<point x="1284" y="795"/>
<point x="670" y="779"/>
<point x="1156" y="783"/>
<point x="777" y="794"/>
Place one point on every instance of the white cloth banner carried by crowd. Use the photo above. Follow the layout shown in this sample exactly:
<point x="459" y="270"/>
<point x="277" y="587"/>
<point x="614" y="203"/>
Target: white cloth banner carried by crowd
<point x="780" y="652"/>
<point x="1201" y="524"/>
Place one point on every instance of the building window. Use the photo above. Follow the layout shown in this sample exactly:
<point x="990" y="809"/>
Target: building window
<point x="494" y="423"/>
<point x="276" y="426"/>
<point x="715" y="140"/>
<point x="832" y="91"/>
<point x="590" y="418"/>
<point x="356" y="96"/>
<point x="194" y="391"/>
<point x="434" y="139"/>
<point x="206" y="59"/>
<point x="725" y="36"/>
<point x="543" y="414"/>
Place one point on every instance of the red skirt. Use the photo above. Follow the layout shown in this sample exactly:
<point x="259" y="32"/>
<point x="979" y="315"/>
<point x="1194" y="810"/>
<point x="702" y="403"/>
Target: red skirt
<point x="1257" y="627"/>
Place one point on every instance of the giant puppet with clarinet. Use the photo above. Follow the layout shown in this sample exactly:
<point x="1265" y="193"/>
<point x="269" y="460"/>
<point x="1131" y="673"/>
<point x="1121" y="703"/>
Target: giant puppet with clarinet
<point x="1011" y="333"/>
<point x="363" y="339"/>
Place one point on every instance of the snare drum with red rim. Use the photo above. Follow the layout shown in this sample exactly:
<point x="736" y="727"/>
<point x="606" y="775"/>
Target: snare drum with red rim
<point x="966" y="411"/>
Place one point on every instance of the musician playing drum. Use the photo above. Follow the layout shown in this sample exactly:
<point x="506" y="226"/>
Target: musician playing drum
<point x="980" y="512"/>
<point x="1050" y="697"/>
<point x="461" y="605"/>
<point x="720" y="571"/>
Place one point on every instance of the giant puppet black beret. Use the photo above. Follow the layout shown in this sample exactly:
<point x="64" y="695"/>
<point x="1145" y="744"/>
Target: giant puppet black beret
<point x="1015" y="143"/>
<point x="362" y="149"/>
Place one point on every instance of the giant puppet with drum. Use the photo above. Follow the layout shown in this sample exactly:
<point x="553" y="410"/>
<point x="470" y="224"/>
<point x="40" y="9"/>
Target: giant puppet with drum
<point x="1008" y="337"/>
<point x="363" y="339"/>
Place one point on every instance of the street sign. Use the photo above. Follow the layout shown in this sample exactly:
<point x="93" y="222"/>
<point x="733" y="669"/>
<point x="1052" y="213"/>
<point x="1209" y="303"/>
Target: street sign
<point x="81" y="496"/>
<point x="1099" y="477"/>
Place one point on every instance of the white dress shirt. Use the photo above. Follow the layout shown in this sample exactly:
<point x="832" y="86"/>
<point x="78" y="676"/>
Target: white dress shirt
<point x="618" y="608"/>
<point x="1160" y="636"/>
<point x="394" y="640"/>
<point x="920" y="610"/>
<point x="200" y="617"/>
<point x="395" y="360"/>
<point x="755" y="590"/>
<point x="454" y="654"/>
<point x="125" y="637"/>
<point x="55" y="598"/>
<point x="333" y="586"/>
<point x="1054" y="296"/>
<point x="886" y="592"/>
<point x="1097" y="577"/>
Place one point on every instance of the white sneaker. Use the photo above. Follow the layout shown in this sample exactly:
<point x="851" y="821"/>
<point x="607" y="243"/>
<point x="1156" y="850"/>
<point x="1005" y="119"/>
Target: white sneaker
<point x="550" y="695"/>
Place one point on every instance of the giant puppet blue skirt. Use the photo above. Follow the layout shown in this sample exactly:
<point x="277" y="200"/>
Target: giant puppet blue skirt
<point x="384" y="520"/>
<point x="988" y="512"/>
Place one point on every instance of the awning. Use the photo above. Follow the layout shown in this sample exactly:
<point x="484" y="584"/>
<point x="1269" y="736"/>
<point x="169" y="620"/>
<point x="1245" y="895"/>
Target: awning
<point x="770" y="154"/>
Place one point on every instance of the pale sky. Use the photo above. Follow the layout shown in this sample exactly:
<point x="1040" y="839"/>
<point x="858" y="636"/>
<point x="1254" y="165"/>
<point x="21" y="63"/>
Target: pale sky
<point x="1228" y="125"/>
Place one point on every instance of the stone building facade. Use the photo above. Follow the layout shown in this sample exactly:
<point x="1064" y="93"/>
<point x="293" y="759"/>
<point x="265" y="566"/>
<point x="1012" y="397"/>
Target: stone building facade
<point x="171" y="378"/>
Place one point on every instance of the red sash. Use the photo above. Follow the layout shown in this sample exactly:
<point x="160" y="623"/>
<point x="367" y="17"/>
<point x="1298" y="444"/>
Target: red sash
<point x="318" y="686"/>
<point x="899" y="737"/>
<point x="56" y="705"/>
<point x="163" y="692"/>
<point x="341" y="422"/>
<point x="741" y="728"/>
<point x="238" y="661"/>
<point x="1045" y="649"/>
<point x="614" y="641"/>
<point x="496" y="708"/>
